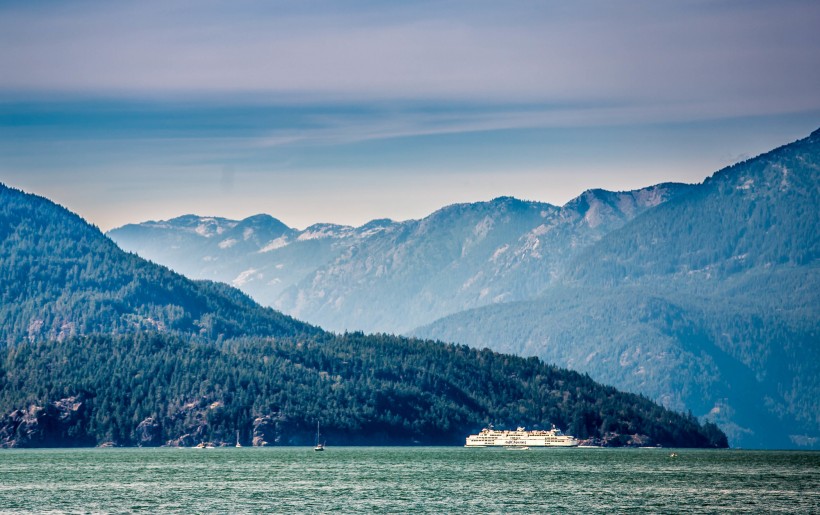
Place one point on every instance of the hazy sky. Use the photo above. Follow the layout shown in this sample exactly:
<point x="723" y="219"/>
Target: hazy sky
<point x="347" y="111"/>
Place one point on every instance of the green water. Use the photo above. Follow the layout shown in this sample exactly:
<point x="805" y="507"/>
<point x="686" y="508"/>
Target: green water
<point x="407" y="480"/>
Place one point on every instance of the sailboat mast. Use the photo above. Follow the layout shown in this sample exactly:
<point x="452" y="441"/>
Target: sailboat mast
<point x="319" y="445"/>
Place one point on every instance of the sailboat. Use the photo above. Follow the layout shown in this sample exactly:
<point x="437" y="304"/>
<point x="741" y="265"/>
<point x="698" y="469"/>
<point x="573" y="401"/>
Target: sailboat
<point x="320" y="446"/>
<point x="237" y="439"/>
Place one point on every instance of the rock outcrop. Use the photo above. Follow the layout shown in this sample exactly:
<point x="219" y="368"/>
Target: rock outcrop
<point x="276" y="429"/>
<point x="148" y="433"/>
<point x="61" y="423"/>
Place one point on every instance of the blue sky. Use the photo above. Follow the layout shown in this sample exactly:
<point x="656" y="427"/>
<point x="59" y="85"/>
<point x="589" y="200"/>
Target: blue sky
<point x="347" y="111"/>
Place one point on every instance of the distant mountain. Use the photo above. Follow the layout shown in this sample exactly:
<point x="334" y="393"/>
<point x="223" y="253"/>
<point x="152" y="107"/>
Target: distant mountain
<point x="393" y="276"/>
<point x="101" y="347"/>
<point x="759" y="214"/>
<point x="260" y="254"/>
<point x="710" y="301"/>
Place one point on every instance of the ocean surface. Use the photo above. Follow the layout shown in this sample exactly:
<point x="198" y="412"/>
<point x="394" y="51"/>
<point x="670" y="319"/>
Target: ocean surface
<point x="408" y="480"/>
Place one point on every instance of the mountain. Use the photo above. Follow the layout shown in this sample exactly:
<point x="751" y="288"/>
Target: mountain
<point x="259" y="254"/>
<point x="709" y="302"/>
<point x="61" y="277"/>
<point x="102" y="347"/>
<point x="760" y="214"/>
<point x="394" y="276"/>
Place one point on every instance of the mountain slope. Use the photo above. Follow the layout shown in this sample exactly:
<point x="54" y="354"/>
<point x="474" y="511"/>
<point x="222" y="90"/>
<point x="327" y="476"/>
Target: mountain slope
<point x="260" y="254"/>
<point x="710" y="301"/>
<point x="61" y="277"/>
<point x="752" y="370"/>
<point x="100" y="346"/>
<point x="757" y="214"/>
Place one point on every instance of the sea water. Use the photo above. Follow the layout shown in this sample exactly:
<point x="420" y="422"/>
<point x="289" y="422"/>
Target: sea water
<point x="408" y="480"/>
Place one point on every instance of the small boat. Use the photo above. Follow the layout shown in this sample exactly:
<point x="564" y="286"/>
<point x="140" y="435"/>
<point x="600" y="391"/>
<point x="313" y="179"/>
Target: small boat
<point x="320" y="446"/>
<point x="673" y="455"/>
<point x="237" y="439"/>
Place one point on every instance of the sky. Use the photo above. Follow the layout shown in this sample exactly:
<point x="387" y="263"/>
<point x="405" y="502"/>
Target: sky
<point x="319" y="111"/>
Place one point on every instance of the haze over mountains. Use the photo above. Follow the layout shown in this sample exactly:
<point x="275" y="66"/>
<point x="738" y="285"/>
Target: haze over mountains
<point x="100" y="347"/>
<point x="704" y="297"/>
<point x="710" y="301"/>
<point x="391" y="276"/>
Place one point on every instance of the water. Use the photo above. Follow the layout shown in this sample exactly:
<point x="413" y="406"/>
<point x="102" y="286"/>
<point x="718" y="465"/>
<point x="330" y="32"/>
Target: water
<point x="407" y="480"/>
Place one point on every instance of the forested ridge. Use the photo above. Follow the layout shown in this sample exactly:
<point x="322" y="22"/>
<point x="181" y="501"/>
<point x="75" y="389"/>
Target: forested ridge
<point x="363" y="389"/>
<point x="759" y="213"/>
<point x="708" y="302"/>
<point x="738" y="364"/>
<point x="61" y="277"/>
<point x="100" y="346"/>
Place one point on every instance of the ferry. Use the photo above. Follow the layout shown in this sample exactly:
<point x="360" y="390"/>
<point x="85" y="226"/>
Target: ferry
<point x="489" y="437"/>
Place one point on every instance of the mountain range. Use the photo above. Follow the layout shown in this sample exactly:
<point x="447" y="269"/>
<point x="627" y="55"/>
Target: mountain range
<point x="703" y="297"/>
<point x="100" y="347"/>
<point x="391" y="276"/>
<point x="710" y="301"/>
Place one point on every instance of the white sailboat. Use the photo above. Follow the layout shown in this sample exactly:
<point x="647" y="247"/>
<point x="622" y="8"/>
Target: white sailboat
<point x="320" y="446"/>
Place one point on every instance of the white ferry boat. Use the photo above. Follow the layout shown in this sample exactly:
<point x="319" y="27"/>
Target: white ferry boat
<point x="489" y="437"/>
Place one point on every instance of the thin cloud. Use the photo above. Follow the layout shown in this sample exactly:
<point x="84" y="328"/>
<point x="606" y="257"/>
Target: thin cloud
<point x="340" y="130"/>
<point x="762" y="55"/>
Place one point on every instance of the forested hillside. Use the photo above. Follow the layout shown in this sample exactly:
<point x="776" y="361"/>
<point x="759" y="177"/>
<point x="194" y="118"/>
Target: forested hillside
<point x="751" y="369"/>
<point x="710" y="301"/>
<point x="101" y="347"/>
<point x="759" y="214"/>
<point x="150" y="389"/>
<point x="60" y="277"/>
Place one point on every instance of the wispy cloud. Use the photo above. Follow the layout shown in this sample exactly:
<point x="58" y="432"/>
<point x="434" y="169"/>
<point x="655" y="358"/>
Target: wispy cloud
<point x="761" y="55"/>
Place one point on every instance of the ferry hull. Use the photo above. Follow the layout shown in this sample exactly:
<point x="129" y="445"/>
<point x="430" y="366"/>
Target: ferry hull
<point x="536" y="439"/>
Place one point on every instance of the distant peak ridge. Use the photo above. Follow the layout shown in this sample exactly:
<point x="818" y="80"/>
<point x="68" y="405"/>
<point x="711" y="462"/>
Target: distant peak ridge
<point x="193" y="220"/>
<point x="393" y="276"/>
<point x="800" y="146"/>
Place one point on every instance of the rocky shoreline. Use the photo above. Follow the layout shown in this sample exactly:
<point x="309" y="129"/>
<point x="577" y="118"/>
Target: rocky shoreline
<point x="66" y="423"/>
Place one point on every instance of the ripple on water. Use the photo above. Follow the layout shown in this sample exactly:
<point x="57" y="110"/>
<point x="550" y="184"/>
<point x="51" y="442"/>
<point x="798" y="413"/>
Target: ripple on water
<point x="407" y="480"/>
